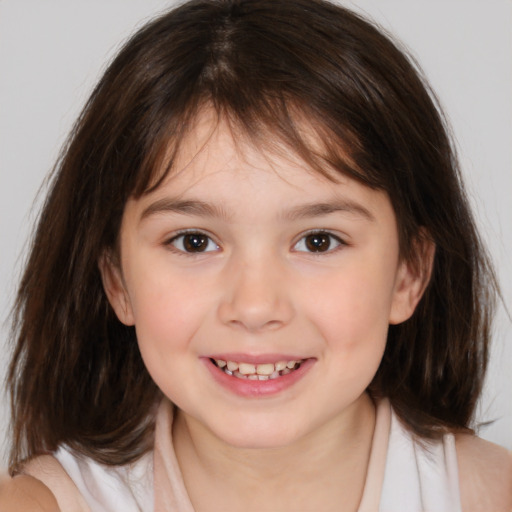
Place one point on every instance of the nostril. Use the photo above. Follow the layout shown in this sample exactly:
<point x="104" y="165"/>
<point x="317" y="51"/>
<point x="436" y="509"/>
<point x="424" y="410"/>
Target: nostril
<point x="253" y="325"/>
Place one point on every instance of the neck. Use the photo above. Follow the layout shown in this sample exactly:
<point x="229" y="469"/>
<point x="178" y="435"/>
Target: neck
<point x="324" y="470"/>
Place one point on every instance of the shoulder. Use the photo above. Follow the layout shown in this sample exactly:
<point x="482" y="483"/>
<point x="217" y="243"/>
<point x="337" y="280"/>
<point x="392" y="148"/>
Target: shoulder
<point x="485" y="475"/>
<point x="26" y="493"/>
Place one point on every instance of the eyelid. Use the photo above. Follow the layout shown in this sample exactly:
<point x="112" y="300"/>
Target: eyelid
<point x="339" y="240"/>
<point x="190" y="231"/>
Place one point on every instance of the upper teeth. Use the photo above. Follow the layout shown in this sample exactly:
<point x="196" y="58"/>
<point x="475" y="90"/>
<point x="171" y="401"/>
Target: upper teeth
<point x="258" y="369"/>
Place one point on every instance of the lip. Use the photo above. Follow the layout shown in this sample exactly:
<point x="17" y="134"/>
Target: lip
<point x="257" y="388"/>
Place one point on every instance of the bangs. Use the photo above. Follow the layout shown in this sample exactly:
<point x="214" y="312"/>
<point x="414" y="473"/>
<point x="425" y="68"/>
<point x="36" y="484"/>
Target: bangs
<point x="273" y="84"/>
<point x="273" y="125"/>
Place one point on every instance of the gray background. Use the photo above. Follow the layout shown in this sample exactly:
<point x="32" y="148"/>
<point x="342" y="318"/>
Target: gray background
<point x="53" y="51"/>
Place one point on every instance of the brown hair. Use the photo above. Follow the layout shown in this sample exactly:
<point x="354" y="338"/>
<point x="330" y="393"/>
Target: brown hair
<point x="77" y="376"/>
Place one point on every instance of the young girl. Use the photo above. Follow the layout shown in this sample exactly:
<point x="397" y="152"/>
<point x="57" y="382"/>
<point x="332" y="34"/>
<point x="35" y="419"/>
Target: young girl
<point x="256" y="283"/>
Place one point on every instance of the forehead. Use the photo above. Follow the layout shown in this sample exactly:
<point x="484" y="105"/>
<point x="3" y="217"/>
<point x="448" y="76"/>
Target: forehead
<point x="224" y="172"/>
<point x="210" y="129"/>
<point x="214" y="142"/>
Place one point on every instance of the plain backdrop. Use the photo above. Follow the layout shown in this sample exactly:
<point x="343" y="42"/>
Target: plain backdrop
<point x="53" y="51"/>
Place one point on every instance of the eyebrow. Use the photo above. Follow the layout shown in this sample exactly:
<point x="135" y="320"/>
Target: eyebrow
<point x="205" y="209"/>
<point x="186" y="207"/>
<point x="320" y="209"/>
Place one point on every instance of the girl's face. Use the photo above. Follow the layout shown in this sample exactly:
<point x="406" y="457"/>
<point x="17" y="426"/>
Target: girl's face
<point x="255" y="261"/>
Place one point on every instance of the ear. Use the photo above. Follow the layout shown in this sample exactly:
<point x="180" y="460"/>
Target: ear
<point x="115" y="288"/>
<point x="412" y="279"/>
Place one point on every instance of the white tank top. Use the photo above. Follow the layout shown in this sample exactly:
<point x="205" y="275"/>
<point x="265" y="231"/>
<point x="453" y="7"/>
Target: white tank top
<point x="403" y="475"/>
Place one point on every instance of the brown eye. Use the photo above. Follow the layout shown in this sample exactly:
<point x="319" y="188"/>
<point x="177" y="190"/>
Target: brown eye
<point x="318" y="242"/>
<point x="194" y="243"/>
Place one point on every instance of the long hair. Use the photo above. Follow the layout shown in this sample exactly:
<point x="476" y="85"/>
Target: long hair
<point x="267" y="66"/>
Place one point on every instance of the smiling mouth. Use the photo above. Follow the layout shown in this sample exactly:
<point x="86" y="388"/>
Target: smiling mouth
<point x="265" y="371"/>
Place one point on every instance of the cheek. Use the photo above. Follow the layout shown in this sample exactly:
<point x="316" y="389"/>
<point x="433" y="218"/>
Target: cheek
<point x="351" y="312"/>
<point x="166" y="311"/>
<point x="353" y="307"/>
<point x="165" y="323"/>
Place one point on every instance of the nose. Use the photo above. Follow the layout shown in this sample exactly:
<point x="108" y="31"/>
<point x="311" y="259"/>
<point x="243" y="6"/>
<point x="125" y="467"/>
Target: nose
<point x="256" y="296"/>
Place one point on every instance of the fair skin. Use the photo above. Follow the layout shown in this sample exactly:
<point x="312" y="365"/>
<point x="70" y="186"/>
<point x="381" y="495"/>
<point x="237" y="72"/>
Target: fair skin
<point x="278" y="263"/>
<point x="484" y="486"/>
<point x="290" y="267"/>
<point x="26" y="493"/>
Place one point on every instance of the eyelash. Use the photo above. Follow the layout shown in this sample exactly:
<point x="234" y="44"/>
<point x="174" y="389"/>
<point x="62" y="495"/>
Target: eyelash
<point x="181" y="236"/>
<point x="324" y="233"/>
<point x="172" y="242"/>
